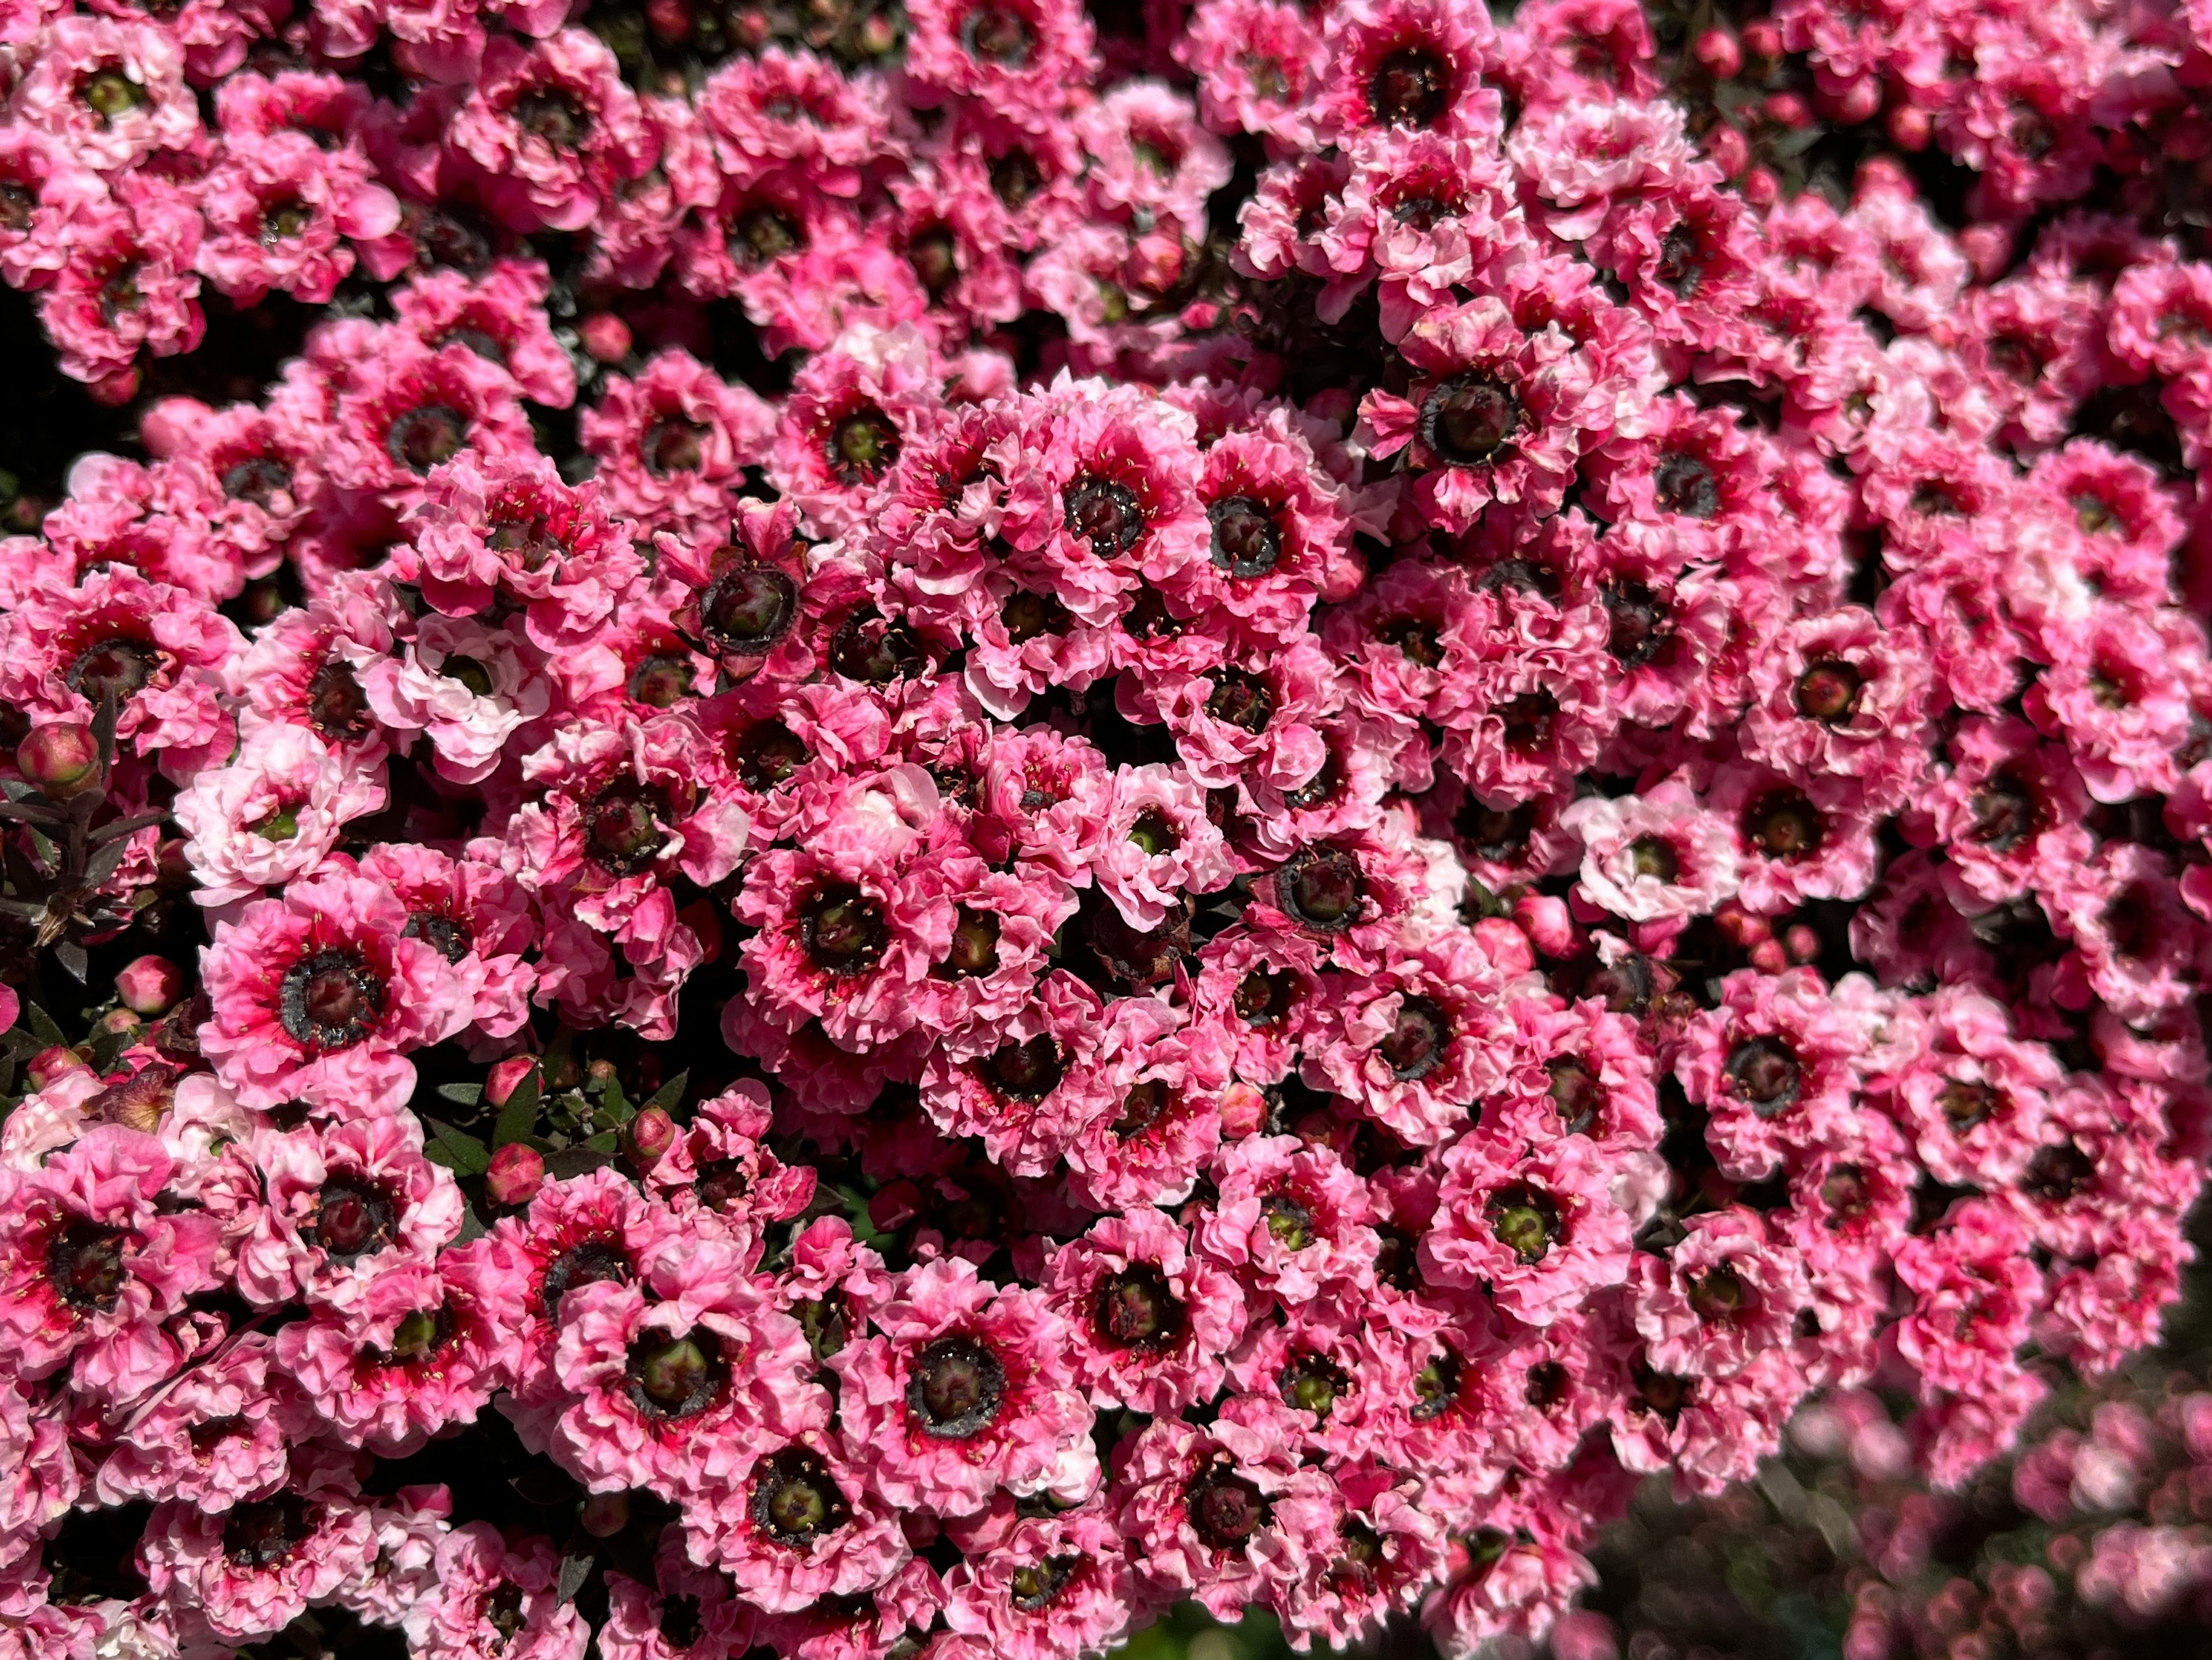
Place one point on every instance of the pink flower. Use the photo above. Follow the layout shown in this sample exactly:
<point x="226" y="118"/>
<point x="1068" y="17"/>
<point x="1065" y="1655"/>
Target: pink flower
<point x="1655" y="856"/>
<point x="272" y="815"/>
<point x="1541" y="1229"/>
<point x="251" y="1570"/>
<point x="1722" y="1293"/>
<point x="967" y="1389"/>
<point x="793" y="1523"/>
<point x="217" y="1439"/>
<point x="554" y="128"/>
<point x="1288" y="1218"/>
<point x="667" y="1376"/>
<point x="343" y="1205"/>
<point x="488" y="1594"/>
<point x="96" y="1269"/>
<point x="1151" y="1321"/>
<point x="277" y="209"/>
<point x="317" y="996"/>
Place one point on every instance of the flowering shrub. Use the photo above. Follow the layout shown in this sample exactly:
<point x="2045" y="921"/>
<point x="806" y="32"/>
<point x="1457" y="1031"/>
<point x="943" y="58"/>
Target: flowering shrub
<point x="2094" y="1537"/>
<point x="914" y="827"/>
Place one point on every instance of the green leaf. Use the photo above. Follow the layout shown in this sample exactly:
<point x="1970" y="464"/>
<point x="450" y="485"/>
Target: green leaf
<point x="461" y="1095"/>
<point x="42" y="1027"/>
<point x="519" y="1115"/>
<point x="603" y="1142"/>
<point x="461" y="1153"/>
<point x="671" y="1092"/>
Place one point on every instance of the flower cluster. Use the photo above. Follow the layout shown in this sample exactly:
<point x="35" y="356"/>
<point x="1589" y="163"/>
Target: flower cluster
<point x="952" y="819"/>
<point x="2095" y="1538"/>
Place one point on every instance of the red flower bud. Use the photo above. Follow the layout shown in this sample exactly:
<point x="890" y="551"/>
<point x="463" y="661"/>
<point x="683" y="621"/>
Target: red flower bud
<point x="62" y="759"/>
<point x="518" y="1170"/>
<point x="650" y="1134"/>
<point x="151" y="986"/>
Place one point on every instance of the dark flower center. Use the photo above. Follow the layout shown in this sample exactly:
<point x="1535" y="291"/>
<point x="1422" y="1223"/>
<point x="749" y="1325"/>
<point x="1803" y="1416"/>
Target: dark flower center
<point x="1290" y="1223"/>
<point x="2008" y="810"/>
<point x="1417" y="1040"/>
<point x="257" y="479"/>
<point x="796" y="1500"/>
<point x="354" y="1217"/>
<point x="1847" y="1193"/>
<point x="1523" y="1220"/>
<point x="84" y="1265"/>
<point x="1411" y="87"/>
<point x="1828" y="691"/>
<point x="1469" y="419"/>
<point x="1718" y="1294"/>
<point x="2057" y="1173"/>
<point x="531" y="540"/>
<point x="662" y="680"/>
<point x="1143" y="1106"/>
<point x="1547" y="1385"/>
<point x="1024" y="1071"/>
<point x="330" y="1001"/>
<point x="1498" y="834"/>
<point x="1027" y="616"/>
<point x="997" y="34"/>
<point x="1965" y="1103"/>
<point x="955" y="1388"/>
<point x="680" y="1624"/>
<point x="422" y="437"/>
<point x="1312" y="1383"/>
<point x="748" y="610"/>
<point x="875" y="651"/>
<point x="1767" y="1075"/>
<point x="1015" y="178"/>
<point x="552" y="115"/>
<point x="1155" y="832"/>
<point x="762" y="234"/>
<point x="1576" y="1096"/>
<point x="115" y="665"/>
<point x="1225" y="1508"/>
<point x="676" y="1377"/>
<point x="588" y="1262"/>
<point x="1397" y="1259"/>
<point x="1241" y="700"/>
<point x="1654" y="855"/>
<point x="974" y="948"/>
<point x="1322" y="888"/>
<point x="336" y="706"/>
<point x="1136" y="1308"/>
<point x="1105" y="514"/>
<point x="1681" y="262"/>
<point x="1037" y="1585"/>
<point x="1417" y="639"/>
<point x="622" y="827"/>
<point x="673" y="444"/>
<point x="1436" y="1386"/>
<point x="1528" y="721"/>
<point x="1785" y="824"/>
<point x="111" y="93"/>
<point x="264" y="1533"/>
<point x="285" y="220"/>
<point x="863" y="444"/>
<point x="1266" y="998"/>
<point x="721" y="1185"/>
<point x="935" y="256"/>
<point x="842" y="930"/>
<point x="769" y="754"/>
<point x="1685" y="484"/>
<point x="1640" y="624"/>
<point x="469" y="672"/>
<point x="1246" y="540"/>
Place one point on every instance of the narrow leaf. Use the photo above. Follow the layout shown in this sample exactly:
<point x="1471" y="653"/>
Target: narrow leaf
<point x="465" y="1155"/>
<point x="70" y="955"/>
<point x="461" y="1095"/>
<point x="42" y="1027"/>
<point x="572" y="1162"/>
<point x="575" y="1570"/>
<point x="519" y="1115"/>
<point x="671" y="1092"/>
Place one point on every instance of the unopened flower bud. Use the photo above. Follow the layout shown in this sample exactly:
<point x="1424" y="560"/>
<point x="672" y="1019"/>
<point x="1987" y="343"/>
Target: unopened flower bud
<point x="605" y="336"/>
<point x="517" y="1171"/>
<point x="1243" y="1111"/>
<point x="1545" y="919"/>
<point x="1762" y="38"/>
<point x="48" y="1065"/>
<point x="506" y="1077"/>
<point x="1801" y="943"/>
<point x="150" y="985"/>
<point x="1718" y="54"/>
<point x="1506" y="945"/>
<point x="62" y="759"/>
<point x="1768" y="956"/>
<point x="605" y="1514"/>
<point x="647" y="1136"/>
